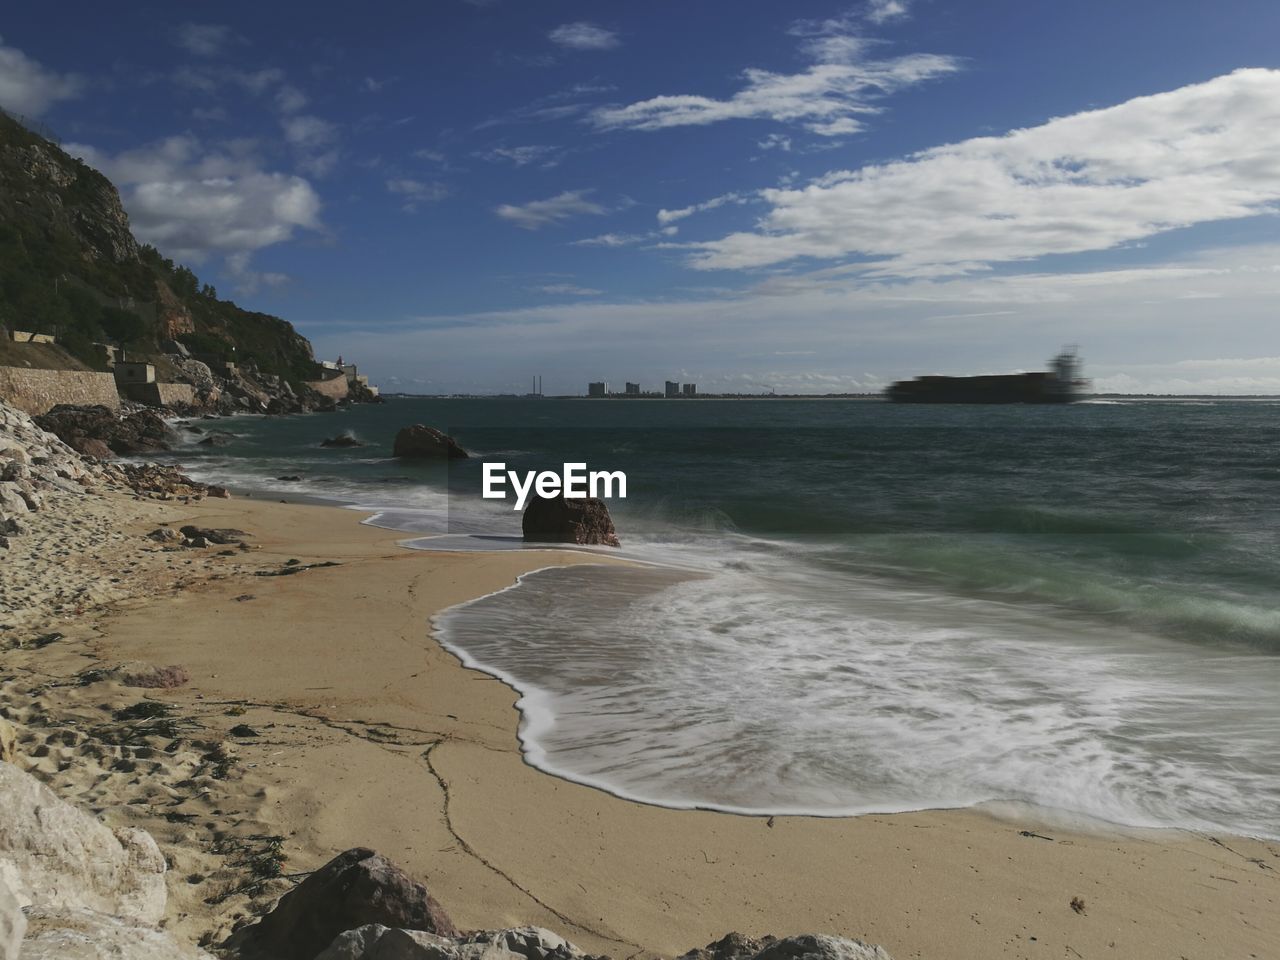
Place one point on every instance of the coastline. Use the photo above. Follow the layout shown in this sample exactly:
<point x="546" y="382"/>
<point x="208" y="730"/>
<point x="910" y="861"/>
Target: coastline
<point x="370" y="733"/>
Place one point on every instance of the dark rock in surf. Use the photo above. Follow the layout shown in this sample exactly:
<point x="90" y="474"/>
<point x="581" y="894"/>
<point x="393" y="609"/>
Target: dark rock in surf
<point x="218" y="438"/>
<point x="341" y="440"/>
<point x="423" y="442"/>
<point x="583" y="521"/>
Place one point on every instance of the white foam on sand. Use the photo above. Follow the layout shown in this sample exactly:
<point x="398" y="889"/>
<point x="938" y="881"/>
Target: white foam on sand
<point x="759" y="695"/>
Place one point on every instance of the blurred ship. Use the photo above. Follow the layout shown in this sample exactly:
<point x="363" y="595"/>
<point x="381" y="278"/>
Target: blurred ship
<point x="1061" y="383"/>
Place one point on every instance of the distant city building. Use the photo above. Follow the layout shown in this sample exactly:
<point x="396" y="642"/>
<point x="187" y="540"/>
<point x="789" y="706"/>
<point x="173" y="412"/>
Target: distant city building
<point x="690" y="389"/>
<point x="600" y="388"/>
<point x="672" y="389"/>
<point x="633" y="389"/>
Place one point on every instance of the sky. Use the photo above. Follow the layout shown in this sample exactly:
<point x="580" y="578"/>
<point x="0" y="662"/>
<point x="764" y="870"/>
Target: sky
<point x="806" y="197"/>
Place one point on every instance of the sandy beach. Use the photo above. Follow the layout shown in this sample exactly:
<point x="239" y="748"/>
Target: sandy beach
<point x="321" y="715"/>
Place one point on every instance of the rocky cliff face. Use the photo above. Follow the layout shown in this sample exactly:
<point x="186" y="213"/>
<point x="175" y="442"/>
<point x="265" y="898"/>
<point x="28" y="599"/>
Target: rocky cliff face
<point x="70" y="265"/>
<point x="41" y="183"/>
<point x="173" y="319"/>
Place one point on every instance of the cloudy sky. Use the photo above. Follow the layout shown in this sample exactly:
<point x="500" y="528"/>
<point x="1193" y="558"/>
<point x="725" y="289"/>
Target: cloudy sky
<point x="812" y="196"/>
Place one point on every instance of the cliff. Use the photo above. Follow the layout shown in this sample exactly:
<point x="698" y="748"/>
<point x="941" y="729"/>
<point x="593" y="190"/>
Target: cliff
<point x="70" y="265"/>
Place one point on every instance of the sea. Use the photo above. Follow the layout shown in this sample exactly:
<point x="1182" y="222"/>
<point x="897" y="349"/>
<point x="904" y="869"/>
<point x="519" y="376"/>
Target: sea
<point x="846" y="606"/>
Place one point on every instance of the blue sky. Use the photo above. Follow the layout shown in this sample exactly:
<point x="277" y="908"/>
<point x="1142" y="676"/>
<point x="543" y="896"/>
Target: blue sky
<point x="817" y="196"/>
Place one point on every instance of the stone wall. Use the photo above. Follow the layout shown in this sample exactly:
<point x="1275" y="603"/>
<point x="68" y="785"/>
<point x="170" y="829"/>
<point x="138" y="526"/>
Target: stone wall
<point x="39" y="391"/>
<point x="161" y="394"/>
<point x="23" y="336"/>
<point x="336" y="387"/>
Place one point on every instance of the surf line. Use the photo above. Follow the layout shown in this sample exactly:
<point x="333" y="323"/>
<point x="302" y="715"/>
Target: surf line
<point x="574" y="482"/>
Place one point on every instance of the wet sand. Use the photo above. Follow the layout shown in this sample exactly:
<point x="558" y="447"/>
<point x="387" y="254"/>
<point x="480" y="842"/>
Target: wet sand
<point x="368" y="733"/>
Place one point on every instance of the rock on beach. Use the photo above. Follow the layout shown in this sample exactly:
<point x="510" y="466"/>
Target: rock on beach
<point x="584" y="521"/>
<point x="354" y="889"/>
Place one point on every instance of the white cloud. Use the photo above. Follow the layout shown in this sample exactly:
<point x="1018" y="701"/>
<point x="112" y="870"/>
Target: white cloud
<point x="541" y="213"/>
<point x="203" y="39"/>
<point x="312" y="139"/>
<point x="583" y="36"/>
<point x="626" y="239"/>
<point x="612" y="240"/>
<point x="417" y="192"/>
<point x="308" y="131"/>
<point x="1090" y="181"/>
<point x="569" y="289"/>
<point x="289" y="99"/>
<point x="372" y="85"/>
<point x="671" y="216"/>
<point x="1234" y="375"/>
<point x="775" y="141"/>
<point x="827" y="99"/>
<point x="1141" y="323"/>
<point x="193" y="202"/>
<point x="27" y="87"/>
<point x="248" y="282"/>
<point x="522" y="156"/>
<point x="210" y="79"/>
<point x="835" y="40"/>
<point x="882" y="11"/>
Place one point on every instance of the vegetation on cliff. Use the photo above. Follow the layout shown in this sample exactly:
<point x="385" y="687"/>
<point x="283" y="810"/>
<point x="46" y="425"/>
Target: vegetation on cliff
<point x="69" y="265"/>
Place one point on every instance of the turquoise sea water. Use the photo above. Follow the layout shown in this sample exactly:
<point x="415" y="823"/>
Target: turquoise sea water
<point x="855" y="606"/>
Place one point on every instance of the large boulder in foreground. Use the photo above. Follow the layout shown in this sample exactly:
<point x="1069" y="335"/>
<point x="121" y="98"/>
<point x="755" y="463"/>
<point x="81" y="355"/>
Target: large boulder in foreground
<point x="819" y="946"/>
<point x="376" y="942"/>
<point x="805" y="946"/>
<point x="85" y="935"/>
<point x="58" y="857"/>
<point x="423" y="442"/>
<point x="583" y="521"/>
<point x="354" y="889"/>
<point x="13" y="923"/>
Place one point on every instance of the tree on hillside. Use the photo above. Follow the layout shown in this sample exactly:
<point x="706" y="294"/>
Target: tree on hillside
<point x="123" y="326"/>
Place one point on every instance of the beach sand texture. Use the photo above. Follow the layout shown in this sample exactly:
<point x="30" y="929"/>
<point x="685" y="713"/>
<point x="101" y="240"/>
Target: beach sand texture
<point x="320" y="715"/>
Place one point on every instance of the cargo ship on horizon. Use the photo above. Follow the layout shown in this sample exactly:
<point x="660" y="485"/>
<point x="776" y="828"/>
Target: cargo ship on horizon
<point x="1061" y="383"/>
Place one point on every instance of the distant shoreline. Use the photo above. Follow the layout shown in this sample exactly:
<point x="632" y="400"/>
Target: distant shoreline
<point x="806" y="396"/>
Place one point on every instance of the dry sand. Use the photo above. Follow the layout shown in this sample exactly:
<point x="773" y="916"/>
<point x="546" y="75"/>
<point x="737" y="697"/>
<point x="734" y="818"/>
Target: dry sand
<point x="368" y="733"/>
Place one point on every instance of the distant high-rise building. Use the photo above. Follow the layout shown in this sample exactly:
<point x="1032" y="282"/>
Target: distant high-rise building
<point x="690" y="389"/>
<point x="633" y="389"/>
<point x="672" y="389"/>
<point x="598" y="389"/>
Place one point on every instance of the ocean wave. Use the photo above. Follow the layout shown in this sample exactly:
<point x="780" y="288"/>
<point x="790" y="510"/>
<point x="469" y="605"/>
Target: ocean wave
<point x="731" y="693"/>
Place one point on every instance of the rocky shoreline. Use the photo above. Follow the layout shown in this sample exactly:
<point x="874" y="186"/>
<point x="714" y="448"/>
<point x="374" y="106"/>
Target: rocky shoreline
<point x="92" y="751"/>
<point x="250" y="684"/>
